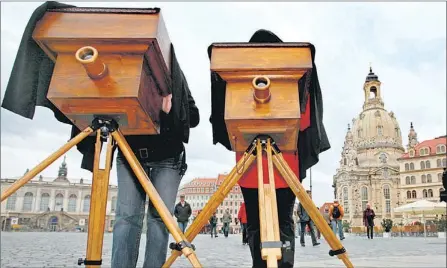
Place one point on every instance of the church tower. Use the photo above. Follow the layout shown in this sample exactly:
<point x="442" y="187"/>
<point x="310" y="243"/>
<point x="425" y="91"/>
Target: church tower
<point x="412" y="138"/>
<point x="62" y="173"/>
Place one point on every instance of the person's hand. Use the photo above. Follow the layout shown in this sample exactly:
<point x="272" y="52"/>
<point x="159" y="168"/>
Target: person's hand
<point x="167" y="104"/>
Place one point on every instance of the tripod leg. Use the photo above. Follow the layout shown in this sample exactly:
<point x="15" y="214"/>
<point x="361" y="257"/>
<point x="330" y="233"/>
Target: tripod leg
<point x="45" y="163"/>
<point x="269" y="251"/>
<point x="155" y="198"/>
<point x="309" y="206"/>
<point x="98" y="205"/>
<point x="214" y="202"/>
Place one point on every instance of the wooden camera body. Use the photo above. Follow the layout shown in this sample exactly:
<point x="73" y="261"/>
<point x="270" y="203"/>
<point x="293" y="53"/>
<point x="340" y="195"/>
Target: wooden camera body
<point x="262" y="95"/>
<point x="110" y="63"/>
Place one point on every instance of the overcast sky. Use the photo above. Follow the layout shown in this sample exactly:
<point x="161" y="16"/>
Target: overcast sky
<point x="405" y="42"/>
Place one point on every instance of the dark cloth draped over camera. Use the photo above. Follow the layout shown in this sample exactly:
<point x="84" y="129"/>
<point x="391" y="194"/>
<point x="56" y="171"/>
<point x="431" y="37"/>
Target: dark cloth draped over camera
<point x="30" y="80"/>
<point x="312" y="141"/>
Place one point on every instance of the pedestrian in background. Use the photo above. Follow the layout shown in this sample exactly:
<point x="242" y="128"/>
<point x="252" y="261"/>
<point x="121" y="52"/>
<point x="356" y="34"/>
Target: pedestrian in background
<point x="368" y="220"/>
<point x="336" y="213"/>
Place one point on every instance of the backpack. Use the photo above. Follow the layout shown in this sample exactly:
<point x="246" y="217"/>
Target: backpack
<point x="336" y="212"/>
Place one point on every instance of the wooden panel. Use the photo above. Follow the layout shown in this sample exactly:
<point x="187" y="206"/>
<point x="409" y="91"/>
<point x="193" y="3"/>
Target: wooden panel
<point x="260" y="58"/>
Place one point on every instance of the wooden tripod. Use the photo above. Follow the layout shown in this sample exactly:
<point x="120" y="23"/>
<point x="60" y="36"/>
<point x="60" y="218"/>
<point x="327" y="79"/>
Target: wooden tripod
<point x="268" y="213"/>
<point x="107" y="130"/>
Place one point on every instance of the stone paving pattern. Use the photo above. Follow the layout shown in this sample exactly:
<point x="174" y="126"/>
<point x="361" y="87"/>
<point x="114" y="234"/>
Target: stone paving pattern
<point x="64" y="249"/>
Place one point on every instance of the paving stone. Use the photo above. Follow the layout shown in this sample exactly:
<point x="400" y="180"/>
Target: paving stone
<point x="64" y="249"/>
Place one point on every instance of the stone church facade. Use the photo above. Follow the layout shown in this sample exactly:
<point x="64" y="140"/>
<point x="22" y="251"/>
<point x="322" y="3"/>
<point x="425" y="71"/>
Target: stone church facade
<point x="369" y="168"/>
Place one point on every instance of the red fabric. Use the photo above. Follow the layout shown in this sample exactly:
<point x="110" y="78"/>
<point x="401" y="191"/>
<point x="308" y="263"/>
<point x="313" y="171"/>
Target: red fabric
<point x="250" y="178"/>
<point x="242" y="215"/>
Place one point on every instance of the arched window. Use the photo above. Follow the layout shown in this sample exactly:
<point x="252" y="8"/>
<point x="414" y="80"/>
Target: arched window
<point x="413" y="180"/>
<point x="421" y="152"/>
<point x="413" y="194"/>
<point x="429" y="178"/>
<point x="11" y="202"/>
<point x="408" y="194"/>
<point x="28" y="202"/>
<point x="424" y="178"/>
<point x="422" y="165"/>
<point x="439" y="177"/>
<point x="439" y="163"/>
<point x="86" y="206"/>
<point x="58" y="202"/>
<point x="424" y="193"/>
<point x="364" y="192"/>
<point x="411" y="166"/>
<point x="411" y="153"/>
<point x="72" y="200"/>
<point x="440" y="149"/>
<point x="345" y="199"/>
<point x="387" y="195"/>
<point x="379" y="130"/>
<point x="44" y="202"/>
<point x="430" y="193"/>
<point x="407" y="180"/>
<point x="113" y="204"/>
<point x="427" y="164"/>
<point x="444" y="162"/>
<point x="344" y="161"/>
<point x="407" y="167"/>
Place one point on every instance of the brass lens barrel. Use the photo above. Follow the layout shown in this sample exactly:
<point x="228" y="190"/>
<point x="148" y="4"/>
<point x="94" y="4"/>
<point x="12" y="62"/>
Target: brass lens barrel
<point x="261" y="86"/>
<point x="89" y="57"/>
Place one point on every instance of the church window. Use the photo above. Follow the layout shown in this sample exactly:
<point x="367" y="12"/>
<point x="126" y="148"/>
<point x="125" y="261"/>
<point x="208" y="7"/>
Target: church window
<point x="345" y="199"/>
<point x="427" y="164"/>
<point x="380" y="130"/>
<point x="58" y="202"/>
<point x="424" y="179"/>
<point x="407" y="167"/>
<point x="413" y="180"/>
<point x="372" y="92"/>
<point x="344" y="161"/>
<point x="72" y="200"/>
<point x="28" y="202"/>
<point x="440" y="149"/>
<point x="407" y="180"/>
<point x="422" y="165"/>
<point x="430" y="193"/>
<point x="424" y="193"/>
<point x="413" y="194"/>
<point x="429" y="178"/>
<point x="11" y="203"/>
<point x="44" y="202"/>
<point x="408" y="194"/>
<point x="364" y="192"/>
<point x="86" y="205"/>
<point x="387" y="195"/>
<point x="411" y="166"/>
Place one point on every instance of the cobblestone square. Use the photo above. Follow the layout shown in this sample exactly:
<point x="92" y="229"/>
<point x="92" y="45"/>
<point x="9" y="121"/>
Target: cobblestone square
<point x="64" y="249"/>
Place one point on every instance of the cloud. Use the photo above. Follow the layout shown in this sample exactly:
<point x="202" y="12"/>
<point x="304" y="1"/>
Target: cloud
<point x="406" y="43"/>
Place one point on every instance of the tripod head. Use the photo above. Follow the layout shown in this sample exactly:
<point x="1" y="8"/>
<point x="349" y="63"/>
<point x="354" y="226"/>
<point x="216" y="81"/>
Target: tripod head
<point x="109" y="63"/>
<point x="261" y="92"/>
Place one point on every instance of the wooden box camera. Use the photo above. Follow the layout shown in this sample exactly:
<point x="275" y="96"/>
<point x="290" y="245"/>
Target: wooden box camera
<point x="110" y="63"/>
<point x="262" y="90"/>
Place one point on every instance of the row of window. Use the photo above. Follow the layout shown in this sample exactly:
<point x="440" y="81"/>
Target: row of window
<point x="365" y="198"/>
<point x="206" y="197"/>
<point x="45" y="202"/>
<point x="205" y="190"/>
<point x="425" y="193"/>
<point x="440" y="149"/>
<point x="379" y="132"/>
<point x="424" y="179"/>
<point x="426" y="164"/>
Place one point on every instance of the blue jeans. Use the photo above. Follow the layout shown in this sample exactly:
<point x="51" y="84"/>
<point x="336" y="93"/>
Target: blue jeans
<point x="182" y="225"/>
<point x="337" y="223"/>
<point x="165" y="176"/>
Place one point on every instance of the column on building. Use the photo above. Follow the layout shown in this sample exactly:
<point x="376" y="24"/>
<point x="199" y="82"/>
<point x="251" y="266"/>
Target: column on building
<point x="66" y="197"/>
<point x="36" y="207"/>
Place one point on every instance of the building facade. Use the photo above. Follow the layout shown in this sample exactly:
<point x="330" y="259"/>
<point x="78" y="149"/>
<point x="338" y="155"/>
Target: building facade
<point x="199" y="191"/>
<point x="421" y="168"/>
<point x="369" y="170"/>
<point x="53" y="204"/>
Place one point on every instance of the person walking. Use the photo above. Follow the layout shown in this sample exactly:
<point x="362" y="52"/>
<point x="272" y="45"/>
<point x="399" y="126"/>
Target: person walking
<point x="368" y="220"/>
<point x="182" y="212"/>
<point x="242" y="216"/>
<point x="226" y="222"/>
<point x="336" y="213"/>
<point x="305" y="221"/>
<point x="213" y="223"/>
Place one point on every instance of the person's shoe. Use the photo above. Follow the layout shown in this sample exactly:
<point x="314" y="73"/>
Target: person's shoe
<point x="342" y="238"/>
<point x="316" y="244"/>
<point x="303" y="245"/>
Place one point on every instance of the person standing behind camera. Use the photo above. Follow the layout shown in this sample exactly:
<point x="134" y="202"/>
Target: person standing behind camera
<point x="336" y="213"/>
<point x="242" y="216"/>
<point x="226" y="219"/>
<point x="182" y="212"/>
<point x="306" y="221"/>
<point x="163" y="159"/>
<point x="368" y="220"/>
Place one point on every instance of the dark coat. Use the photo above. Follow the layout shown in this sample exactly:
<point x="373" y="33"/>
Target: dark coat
<point x="312" y="141"/>
<point x="302" y="213"/>
<point x="368" y="217"/>
<point x="31" y="76"/>
<point x="182" y="213"/>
